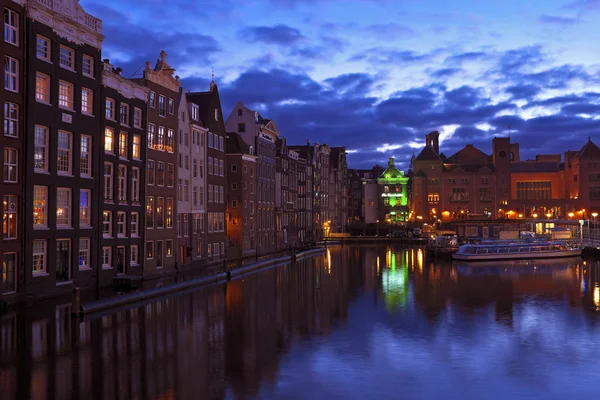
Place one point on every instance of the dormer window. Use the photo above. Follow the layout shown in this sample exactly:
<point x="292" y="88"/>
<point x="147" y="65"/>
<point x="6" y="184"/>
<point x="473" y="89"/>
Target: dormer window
<point x="240" y="112"/>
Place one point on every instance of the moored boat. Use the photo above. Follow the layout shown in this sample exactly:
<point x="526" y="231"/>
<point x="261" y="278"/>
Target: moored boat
<point x="515" y="251"/>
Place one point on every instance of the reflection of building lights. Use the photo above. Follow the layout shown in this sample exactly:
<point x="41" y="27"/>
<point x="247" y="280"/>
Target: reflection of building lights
<point x="329" y="261"/>
<point x="377" y="265"/>
<point x="420" y="260"/>
<point x="597" y="295"/>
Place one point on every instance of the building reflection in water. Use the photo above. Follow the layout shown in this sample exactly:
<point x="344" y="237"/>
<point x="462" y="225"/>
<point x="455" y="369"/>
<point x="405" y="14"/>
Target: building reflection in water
<point x="229" y="340"/>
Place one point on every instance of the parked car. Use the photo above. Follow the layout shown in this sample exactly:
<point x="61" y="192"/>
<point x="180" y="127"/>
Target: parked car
<point x="414" y="232"/>
<point x="398" y="235"/>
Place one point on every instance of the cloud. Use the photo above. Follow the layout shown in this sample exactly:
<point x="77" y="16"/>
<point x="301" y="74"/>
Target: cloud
<point x="281" y="35"/>
<point x="558" y="20"/>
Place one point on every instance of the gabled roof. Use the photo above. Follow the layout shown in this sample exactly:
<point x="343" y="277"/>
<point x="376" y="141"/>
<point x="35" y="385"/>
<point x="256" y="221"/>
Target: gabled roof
<point x="235" y="144"/>
<point x="589" y="150"/>
<point x="427" y="154"/>
<point x="469" y="155"/>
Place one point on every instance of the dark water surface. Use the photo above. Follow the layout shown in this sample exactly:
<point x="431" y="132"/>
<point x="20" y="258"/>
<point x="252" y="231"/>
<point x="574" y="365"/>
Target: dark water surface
<point x="354" y="323"/>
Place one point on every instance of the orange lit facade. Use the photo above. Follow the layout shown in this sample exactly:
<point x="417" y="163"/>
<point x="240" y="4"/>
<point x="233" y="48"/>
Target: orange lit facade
<point x="472" y="183"/>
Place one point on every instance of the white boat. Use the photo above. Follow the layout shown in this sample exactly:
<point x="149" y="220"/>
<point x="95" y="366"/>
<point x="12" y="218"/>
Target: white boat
<point x="515" y="251"/>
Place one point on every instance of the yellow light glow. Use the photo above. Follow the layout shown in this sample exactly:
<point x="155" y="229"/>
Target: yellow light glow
<point x="329" y="261"/>
<point x="571" y="215"/>
<point x="420" y="260"/>
<point x="597" y="295"/>
<point x="594" y="214"/>
<point x="520" y="215"/>
<point x="534" y="215"/>
<point x="548" y="215"/>
<point x="582" y="210"/>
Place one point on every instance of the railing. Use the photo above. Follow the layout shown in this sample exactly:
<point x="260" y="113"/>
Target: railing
<point x="81" y="16"/>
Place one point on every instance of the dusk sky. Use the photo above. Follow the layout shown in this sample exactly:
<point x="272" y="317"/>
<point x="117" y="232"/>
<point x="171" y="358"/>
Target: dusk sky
<point x="377" y="75"/>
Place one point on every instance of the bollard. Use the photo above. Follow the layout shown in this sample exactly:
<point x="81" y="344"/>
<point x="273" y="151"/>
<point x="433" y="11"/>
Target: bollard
<point x="75" y="303"/>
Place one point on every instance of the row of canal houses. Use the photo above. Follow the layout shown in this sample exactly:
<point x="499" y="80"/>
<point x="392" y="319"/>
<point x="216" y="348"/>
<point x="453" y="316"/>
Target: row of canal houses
<point x="107" y="176"/>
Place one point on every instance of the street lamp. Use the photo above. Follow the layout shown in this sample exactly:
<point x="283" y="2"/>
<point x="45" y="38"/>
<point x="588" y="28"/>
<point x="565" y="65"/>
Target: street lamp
<point x="534" y="215"/>
<point x="571" y="215"/>
<point x="548" y="215"/>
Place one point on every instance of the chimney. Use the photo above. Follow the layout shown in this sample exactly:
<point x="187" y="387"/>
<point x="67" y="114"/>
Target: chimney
<point x="119" y="70"/>
<point x="391" y="162"/>
<point x="106" y="60"/>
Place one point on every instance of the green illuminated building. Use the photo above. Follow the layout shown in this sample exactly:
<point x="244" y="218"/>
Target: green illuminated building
<point x="394" y="194"/>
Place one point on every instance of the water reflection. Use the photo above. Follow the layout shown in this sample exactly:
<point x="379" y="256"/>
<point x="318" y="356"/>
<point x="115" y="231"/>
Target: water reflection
<point x="350" y="323"/>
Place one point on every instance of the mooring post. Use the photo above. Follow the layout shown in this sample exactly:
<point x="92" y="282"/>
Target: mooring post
<point x="75" y="302"/>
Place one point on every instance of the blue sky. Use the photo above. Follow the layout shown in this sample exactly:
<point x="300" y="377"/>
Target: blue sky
<point x="377" y="75"/>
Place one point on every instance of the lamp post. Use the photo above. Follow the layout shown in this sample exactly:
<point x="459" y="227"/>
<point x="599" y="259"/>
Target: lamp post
<point x="594" y="220"/>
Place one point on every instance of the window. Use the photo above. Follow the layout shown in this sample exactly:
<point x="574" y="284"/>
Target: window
<point x="195" y="196"/>
<point x="152" y="99"/>
<point x="135" y="151"/>
<point x="40" y="152"/>
<point x="210" y="165"/>
<point x="11" y="74"/>
<point x="107" y="224"/>
<point x="221" y="143"/>
<point x="87" y="101"/>
<point x="84" y="253"/>
<point x="110" y="109"/>
<point x="85" y="207"/>
<point x="234" y="203"/>
<point x="42" y="88"/>
<point x="40" y="206"/>
<point x="169" y="212"/>
<point x="195" y="167"/>
<point x="39" y="257"/>
<point x="160" y="212"/>
<point x="151" y="135"/>
<point x="186" y="225"/>
<point x="151" y="174"/>
<point x="63" y="153"/>
<point x="210" y="193"/>
<point x="9" y="220"/>
<point x="123" y="144"/>
<point x="134" y="256"/>
<point x="161" y="105"/>
<point x="150" y="250"/>
<point x="108" y="181"/>
<point x="210" y="139"/>
<point x="109" y="135"/>
<point x="43" y="48"/>
<point x="180" y="189"/>
<point x="11" y="27"/>
<point x="186" y="191"/>
<point x="85" y="161"/>
<point x="11" y="119"/>
<point x="67" y="58"/>
<point x="135" y="185"/>
<point x="150" y="212"/>
<point x="234" y="168"/>
<point x="221" y="169"/>
<point x="106" y="257"/>
<point x="170" y="141"/>
<point x="216" y="114"/>
<point x="161" y="138"/>
<point x="65" y="94"/>
<point x="171" y="106"/>
<point x="63" y="207"/>
<point x="241" y="127"/>
<point x="137" y="118"/>
<point x="201" y="168"/>
<point x="179" y="224"/>
<point x="234" y="186"/>
<point x="122" y="183"/>
<point x="10" y="165"/>
<point x="170" y="175"/>
<point x="169" y="248"/>
<point x="160" y="173"/>
<point x="135" y="224"/>
<point x="124" y="114"/>
<point x="195" y="112"/>
<point x="87" y="67"/>
<point x="121" y="224"/>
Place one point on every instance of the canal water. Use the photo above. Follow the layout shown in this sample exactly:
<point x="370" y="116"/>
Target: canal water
<point x="353" y="323"/>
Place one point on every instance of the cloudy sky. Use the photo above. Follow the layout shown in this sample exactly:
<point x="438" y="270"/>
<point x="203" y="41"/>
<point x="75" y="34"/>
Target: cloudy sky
<point x="377" y="75"/>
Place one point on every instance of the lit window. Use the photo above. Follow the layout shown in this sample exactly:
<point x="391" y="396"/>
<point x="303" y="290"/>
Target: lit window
<point x="9" y="221"/>
<point x="65" y="94"/>
<point x="149" y="212"/>
<point x="170" y="140"/>
<point x="67" y="58"/>
<point x="151" y="135"/>
<point x="40" y="152"/>
<point x="39" y="257"/>
<point x="150" y="250"/>
<point x="42" y="88"/>
<point x="160" y="212"/>
<point x="107" y="224"/>
<point x="87" y="101"/>
<point x="10" y="165"/>
<point x="11" y="119"/>
<point x="135" y="151"/>
<point x="43" y="48"/>
<point x="123" y="145"/>
<point x="40" y="206"/>
<point x="169" y="212"/>
<point x="84" y="253"/>
<point x="169" y="248"/>
<point x="109" y="135"/>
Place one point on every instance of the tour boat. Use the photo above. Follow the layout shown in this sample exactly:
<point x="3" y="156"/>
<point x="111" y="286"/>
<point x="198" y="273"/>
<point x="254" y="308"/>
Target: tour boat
<point x="515" y="250"/>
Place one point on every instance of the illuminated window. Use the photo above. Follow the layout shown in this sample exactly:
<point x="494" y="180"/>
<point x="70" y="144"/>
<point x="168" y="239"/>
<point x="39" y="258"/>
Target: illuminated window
<point x="63" y="207"/>
<point x="65" y="94"/>
<point x="40" y="206"/>
<point x="109" y="136"/>
<point x="42" y="88"/>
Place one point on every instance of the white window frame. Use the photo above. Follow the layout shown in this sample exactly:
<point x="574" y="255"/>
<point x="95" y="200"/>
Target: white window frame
<point x="43" y="52"/>
<point x="64" y="201"/>
<point x="67" y="151"/>
<point x="11" y="119"/>
<point x="108" y="181"/>
<point x="136" y="147"/>
<point x="87" y="101"/>
<point x="85" y="222"/>
<point x="134" y="255"/>
<point x="149" y="246"/>
<point x="40" y="252"/>
<point x="11" y="208"/>
<point x="66" y="95"/>
<point x="85" y="156"/>
<point x="106" y="257"/>
<point x="109" y="111"/>
<point x="134" y="223"/>
<point x="123" y="145"/>
<point x="40" y="196"/>
<point x="84" y="254"/>
<point x="11" y="165"/>
<point x="122" y="183"/>
<point x="89" y="72"/>
<point x="107" y="223"/>
<point x="42" y="91"/>
<point x="11" y="26"/>
<point x="11" y="74"/>
<point x="121" y="224"/>
<point x="124" y="114"/>
<point x="135" y="184"/>
<point x="137" y="118"/>
<point x="67" y="62"/>
<point x="109" y="140"/>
